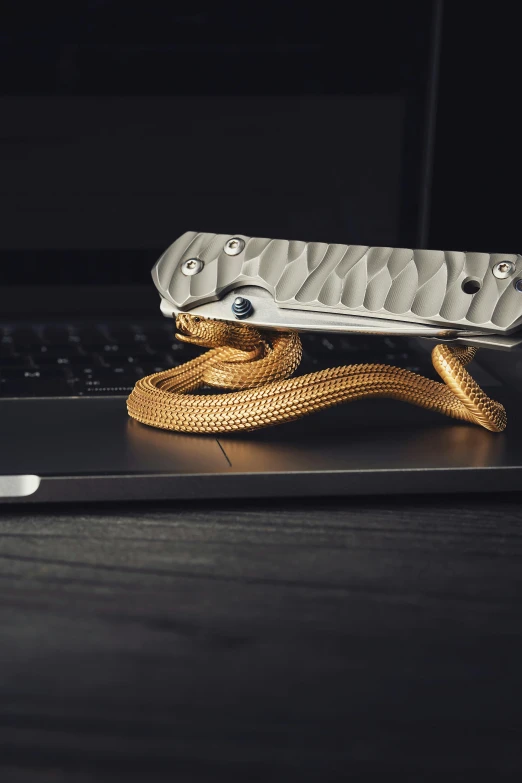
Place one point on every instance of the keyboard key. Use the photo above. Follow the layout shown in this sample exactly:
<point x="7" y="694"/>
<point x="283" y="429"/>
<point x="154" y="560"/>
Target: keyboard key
<point x="391" y="343"/>
<point x="46" y="361"/>
<point x="120" y="370"/>
<point x="112" y="360"/>
<point x="354" y="344"/>
<point x="91" y="335"/>
<point x="25" y="337"/>
<point x="14" y="360"/>
<point x="138" y="338"/>
<point x="118" y="351"/>
<point x="111" y="376"/>
<point x="55" y="333"/>
<point x="177" y="348"/>
<point x="160" y="338"/>
<point x="126" y="334"/>
<point x="19" y="373"/>
<point x="57" y="349"/>
<point x="84" y="372"/>
<point x="109" y="386"/>
<point x="75" y="360"/>
<point x="53" y="388"/>
<point x="14" y="388"/>
<point x="7" y="349"/>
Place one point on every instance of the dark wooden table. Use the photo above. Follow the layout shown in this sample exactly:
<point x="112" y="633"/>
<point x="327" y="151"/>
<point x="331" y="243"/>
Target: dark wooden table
<point x="346" y="640"/>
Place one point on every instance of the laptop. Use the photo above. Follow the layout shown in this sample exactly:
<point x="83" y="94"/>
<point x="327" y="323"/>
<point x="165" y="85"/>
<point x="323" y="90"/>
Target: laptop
<point x="106" y="161"/>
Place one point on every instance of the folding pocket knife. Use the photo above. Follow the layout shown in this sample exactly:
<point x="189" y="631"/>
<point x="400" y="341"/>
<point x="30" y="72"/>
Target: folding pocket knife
<point x="470" y="298"/>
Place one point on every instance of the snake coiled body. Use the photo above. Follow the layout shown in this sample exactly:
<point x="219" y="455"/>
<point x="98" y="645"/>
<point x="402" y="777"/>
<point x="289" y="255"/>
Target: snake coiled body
<point x="256" y="366"/>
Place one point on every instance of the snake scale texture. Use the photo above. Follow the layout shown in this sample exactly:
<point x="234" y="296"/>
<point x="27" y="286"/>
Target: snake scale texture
<point x="255" y="367"/>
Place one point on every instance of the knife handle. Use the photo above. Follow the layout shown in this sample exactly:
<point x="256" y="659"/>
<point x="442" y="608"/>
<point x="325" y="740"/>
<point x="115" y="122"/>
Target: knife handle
<point x="446" y="288"/>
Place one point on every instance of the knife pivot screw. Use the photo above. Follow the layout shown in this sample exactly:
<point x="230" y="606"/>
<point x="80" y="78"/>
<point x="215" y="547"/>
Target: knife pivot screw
<point x="192" y="266"/>
<point x="504" y="269"/>
<point x="518" y="284"/>
<point x="234" y="246"/>
<point x="242" y="307"/>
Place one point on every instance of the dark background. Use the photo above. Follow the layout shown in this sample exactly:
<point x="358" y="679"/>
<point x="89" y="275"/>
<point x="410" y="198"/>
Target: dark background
<point x="264" y="83"/>
<point x="477" y="154"/>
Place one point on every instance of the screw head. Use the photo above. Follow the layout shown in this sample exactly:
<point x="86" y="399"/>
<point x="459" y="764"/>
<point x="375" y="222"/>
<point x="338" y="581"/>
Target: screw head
<point x="192" y="266"/>
<point x="234" y="246"/>
<point x="504" y="269"/>
<point x="242" y="307"/>
<point x="518" y="284"/>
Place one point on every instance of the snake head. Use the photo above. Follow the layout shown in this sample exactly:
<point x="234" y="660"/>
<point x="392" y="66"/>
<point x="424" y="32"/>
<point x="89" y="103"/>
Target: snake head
<point x="212" y="333"/>
<point x="201" y="331"/>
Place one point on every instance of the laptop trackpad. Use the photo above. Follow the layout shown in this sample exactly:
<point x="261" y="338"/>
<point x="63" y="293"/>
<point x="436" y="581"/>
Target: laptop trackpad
<point x="372" y="435"/>
<point x="75" y="436"/>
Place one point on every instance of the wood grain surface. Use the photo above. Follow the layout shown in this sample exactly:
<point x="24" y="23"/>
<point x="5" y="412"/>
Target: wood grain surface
<point x="347" y="640"/>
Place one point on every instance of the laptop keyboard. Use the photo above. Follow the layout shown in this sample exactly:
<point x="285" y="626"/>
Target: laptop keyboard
<point x="107" y="358"/>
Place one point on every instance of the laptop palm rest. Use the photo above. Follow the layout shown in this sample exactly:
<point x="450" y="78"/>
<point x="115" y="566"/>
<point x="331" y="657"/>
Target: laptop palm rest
<point x="89" y="449"/>
<point x="89" y="436"/>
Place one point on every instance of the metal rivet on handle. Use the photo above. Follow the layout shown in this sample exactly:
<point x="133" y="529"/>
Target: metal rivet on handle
<point x="504" y="269"/>
<point x="518" y="284"/>
<point x="234" y="246"/>
<point x="192" y="266"/>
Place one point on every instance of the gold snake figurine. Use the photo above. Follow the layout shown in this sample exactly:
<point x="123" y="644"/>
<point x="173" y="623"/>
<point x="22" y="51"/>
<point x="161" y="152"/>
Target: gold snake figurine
<point x="257" y="364"/>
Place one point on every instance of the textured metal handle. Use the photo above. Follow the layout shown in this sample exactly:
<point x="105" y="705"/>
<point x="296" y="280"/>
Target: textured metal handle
<point x="421" y="286"/>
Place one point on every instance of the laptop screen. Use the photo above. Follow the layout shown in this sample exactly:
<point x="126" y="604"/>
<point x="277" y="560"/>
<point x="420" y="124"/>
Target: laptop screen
<point x="290" y="128"/>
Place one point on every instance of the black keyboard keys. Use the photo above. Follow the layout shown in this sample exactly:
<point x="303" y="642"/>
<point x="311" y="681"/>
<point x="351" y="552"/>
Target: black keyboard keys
<point x="87" y="358"/>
